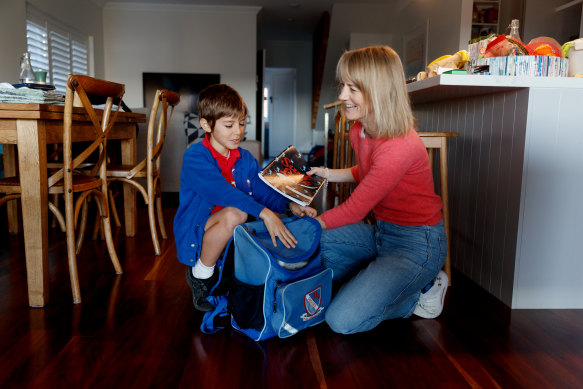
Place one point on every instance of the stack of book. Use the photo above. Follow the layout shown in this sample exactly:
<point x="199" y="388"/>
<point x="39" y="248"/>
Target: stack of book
<point x="10" y="94"/>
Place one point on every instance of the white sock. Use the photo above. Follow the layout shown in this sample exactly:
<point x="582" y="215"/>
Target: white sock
<point x="202" y="271"/>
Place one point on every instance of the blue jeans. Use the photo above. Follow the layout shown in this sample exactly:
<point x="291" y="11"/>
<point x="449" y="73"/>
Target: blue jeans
<point x="382" y="267"/>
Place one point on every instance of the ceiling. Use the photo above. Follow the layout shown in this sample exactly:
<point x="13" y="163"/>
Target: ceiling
<point x="278" y="19"/>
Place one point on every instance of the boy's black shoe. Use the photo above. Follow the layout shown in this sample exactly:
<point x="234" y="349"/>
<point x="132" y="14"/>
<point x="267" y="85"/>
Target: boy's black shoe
<point x="200" y="290"/>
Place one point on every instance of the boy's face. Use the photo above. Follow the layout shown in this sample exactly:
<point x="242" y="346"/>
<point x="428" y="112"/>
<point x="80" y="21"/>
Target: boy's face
<point x="227" y="134"/>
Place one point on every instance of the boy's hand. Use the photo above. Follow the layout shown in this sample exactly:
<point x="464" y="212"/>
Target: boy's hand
<point x="277" y="229"/>
<point x="322" y="224"/>
<point x="300" y="211"/>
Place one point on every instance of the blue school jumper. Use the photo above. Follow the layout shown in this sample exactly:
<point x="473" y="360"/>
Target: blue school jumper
<point x="202" y="186"/>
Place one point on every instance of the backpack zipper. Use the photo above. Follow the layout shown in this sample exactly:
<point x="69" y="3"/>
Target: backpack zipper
<point x="277" y="285"/>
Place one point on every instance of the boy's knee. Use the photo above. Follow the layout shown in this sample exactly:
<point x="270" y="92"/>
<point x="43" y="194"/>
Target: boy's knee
<point x="235" y="217"/>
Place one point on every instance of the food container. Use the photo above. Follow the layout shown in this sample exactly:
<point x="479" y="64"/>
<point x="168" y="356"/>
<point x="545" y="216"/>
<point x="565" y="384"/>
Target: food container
<point x="525" y="65"/>
<point x="576" y="58"/>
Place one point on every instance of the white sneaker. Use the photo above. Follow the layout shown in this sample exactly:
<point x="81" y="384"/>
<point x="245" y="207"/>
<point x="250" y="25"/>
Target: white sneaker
<point x="430" y="303"/>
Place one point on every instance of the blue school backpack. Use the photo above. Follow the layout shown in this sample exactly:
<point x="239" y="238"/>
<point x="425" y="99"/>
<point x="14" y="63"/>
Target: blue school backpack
<point x="271" y="291"/>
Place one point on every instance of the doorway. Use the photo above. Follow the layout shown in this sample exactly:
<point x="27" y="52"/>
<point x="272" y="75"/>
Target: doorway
<point x="280" y="123"/>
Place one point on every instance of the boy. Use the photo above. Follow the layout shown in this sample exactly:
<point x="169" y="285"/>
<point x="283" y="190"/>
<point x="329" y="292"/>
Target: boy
<point x="219" y="188"/>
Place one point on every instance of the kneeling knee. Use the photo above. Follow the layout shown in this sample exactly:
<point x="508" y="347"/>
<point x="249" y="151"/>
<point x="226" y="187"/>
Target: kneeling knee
<point x="234" y="217"/>
<point x="340" y="322"/>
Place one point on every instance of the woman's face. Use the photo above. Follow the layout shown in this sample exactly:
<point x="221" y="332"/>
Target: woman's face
<point x="355" y="108"/>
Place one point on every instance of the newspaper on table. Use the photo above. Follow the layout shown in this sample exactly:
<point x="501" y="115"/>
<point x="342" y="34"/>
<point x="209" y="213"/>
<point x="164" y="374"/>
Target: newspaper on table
<point x="10" y="94"/>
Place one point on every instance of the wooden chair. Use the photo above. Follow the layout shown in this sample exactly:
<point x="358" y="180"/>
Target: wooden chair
<point x="65" y="180"/>
<point x="149" y="168"/>
<point x="343" y="155"/>
<point x="438" y="141"/>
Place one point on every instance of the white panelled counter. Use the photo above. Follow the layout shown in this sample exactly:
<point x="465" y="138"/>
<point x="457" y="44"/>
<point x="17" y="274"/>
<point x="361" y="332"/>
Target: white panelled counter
<point x="515" y="182"/>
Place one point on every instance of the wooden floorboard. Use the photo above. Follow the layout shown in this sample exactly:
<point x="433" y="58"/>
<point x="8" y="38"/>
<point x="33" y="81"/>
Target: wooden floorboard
<point x="139" y="330"/>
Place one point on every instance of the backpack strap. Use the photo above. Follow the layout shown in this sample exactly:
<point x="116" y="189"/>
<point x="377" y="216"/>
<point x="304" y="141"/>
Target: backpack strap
<point x="208" y="325"/>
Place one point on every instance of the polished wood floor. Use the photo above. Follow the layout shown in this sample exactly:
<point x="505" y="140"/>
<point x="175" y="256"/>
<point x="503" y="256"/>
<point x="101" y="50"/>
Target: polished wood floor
<point x="139" y="330"/>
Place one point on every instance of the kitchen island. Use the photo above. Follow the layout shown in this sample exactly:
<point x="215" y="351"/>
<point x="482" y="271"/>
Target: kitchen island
<point x="515" y="182"/>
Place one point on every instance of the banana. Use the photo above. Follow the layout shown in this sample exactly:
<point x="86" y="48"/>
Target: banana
<point x="439" y="59"/>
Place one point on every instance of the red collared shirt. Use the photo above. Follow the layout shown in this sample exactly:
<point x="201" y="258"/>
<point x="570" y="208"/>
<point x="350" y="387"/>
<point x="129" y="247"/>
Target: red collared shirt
<point x="227" y="164"/>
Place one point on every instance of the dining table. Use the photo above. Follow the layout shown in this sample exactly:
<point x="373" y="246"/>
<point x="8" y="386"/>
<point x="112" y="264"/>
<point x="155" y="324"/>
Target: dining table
<point x="25" y="132"/>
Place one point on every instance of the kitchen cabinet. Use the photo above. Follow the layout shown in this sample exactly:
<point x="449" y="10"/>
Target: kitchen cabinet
<point x="515" y="182"/>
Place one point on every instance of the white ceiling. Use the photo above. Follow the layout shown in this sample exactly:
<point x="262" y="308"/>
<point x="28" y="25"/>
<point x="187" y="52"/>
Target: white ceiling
<point x="278" y="19"/>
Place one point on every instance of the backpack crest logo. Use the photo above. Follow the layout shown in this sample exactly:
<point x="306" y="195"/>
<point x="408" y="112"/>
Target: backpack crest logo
<point x="312" y="302"/>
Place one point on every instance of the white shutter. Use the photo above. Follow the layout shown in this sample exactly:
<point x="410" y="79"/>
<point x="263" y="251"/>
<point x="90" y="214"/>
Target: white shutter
<point x="60" y="59"/>
<point x="37" y="41"/>
<point x="79" y="56"/>
<point x="55" y="47"/>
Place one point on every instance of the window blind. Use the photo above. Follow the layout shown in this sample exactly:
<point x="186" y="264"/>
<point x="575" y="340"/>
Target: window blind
<point x="56" y="48"/>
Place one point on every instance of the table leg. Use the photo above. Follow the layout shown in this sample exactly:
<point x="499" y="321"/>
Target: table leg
<point x="32" y="159"/>
<point x="129" y="157"/>
<point x="10" y="165"/>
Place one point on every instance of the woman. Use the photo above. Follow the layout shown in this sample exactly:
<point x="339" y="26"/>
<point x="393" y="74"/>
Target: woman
<point x="383" y="268"/>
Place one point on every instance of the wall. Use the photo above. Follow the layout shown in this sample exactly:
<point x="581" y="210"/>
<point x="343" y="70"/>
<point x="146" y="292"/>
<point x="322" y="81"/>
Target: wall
<point x="445" y="18"/>
<point x="180" y="39"/>
<point x="297" y="55"/>
<point x="346" y="19"/>
<point x="83" y="16"/>
<point x="540" y="19"/>
<point x="358" y="40"/>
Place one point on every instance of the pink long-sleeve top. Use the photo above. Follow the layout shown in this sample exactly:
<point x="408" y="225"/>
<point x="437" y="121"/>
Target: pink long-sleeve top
<point x="394" y="181"/>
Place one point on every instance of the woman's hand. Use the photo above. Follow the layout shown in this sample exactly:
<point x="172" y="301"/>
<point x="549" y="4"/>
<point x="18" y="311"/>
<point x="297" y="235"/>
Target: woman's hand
<point x="277" y="229"/>
<point x="332" y="175"/>
<point x="300" y="211"/>
<point x="319" y="171"/>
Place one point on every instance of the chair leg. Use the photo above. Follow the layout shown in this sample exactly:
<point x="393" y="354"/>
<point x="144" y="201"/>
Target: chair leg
<point x="58" y="217"/>
<point x="54" y="220"/>
<point x="445" y="199"/>
<point x="152" y="220"/>
<point x="109" y="240"/>
<point x="11" y="169"/>
<point x="71" y="255"/>
<point x="160" y="214"/>
<point x="82" y="227"/>
<point x="113" y="209"/>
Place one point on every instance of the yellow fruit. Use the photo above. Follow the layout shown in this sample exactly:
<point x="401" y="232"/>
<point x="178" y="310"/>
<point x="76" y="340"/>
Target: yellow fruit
<point x="439" y="59"/>
<point x="464" y="54"/>
<point x="464" y="57"/>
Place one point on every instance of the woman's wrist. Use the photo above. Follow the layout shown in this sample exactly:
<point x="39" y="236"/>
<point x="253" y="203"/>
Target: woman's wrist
<point x="322" y="224"/>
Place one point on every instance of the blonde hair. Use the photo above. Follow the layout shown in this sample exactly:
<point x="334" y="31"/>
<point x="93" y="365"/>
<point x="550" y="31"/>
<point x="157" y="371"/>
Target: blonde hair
<point x="378" y="73"/>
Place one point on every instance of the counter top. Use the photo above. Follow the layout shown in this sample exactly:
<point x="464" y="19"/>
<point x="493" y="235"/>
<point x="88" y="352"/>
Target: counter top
<point x="451" y="86"/>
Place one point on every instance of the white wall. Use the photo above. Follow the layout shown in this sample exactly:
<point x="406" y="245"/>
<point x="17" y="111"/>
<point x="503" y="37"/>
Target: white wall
<point x="444" y="16"/>
<point x="297" y="55"/>
<point x="84" y="16"/>
<point x="346" y="19"/>
<point x="542" y="20"/>
<point x="174" y="38"/>
<point x="358" y="40"/>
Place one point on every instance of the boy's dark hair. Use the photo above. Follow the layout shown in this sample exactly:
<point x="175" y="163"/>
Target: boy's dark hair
<point x="220" y="100"/>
